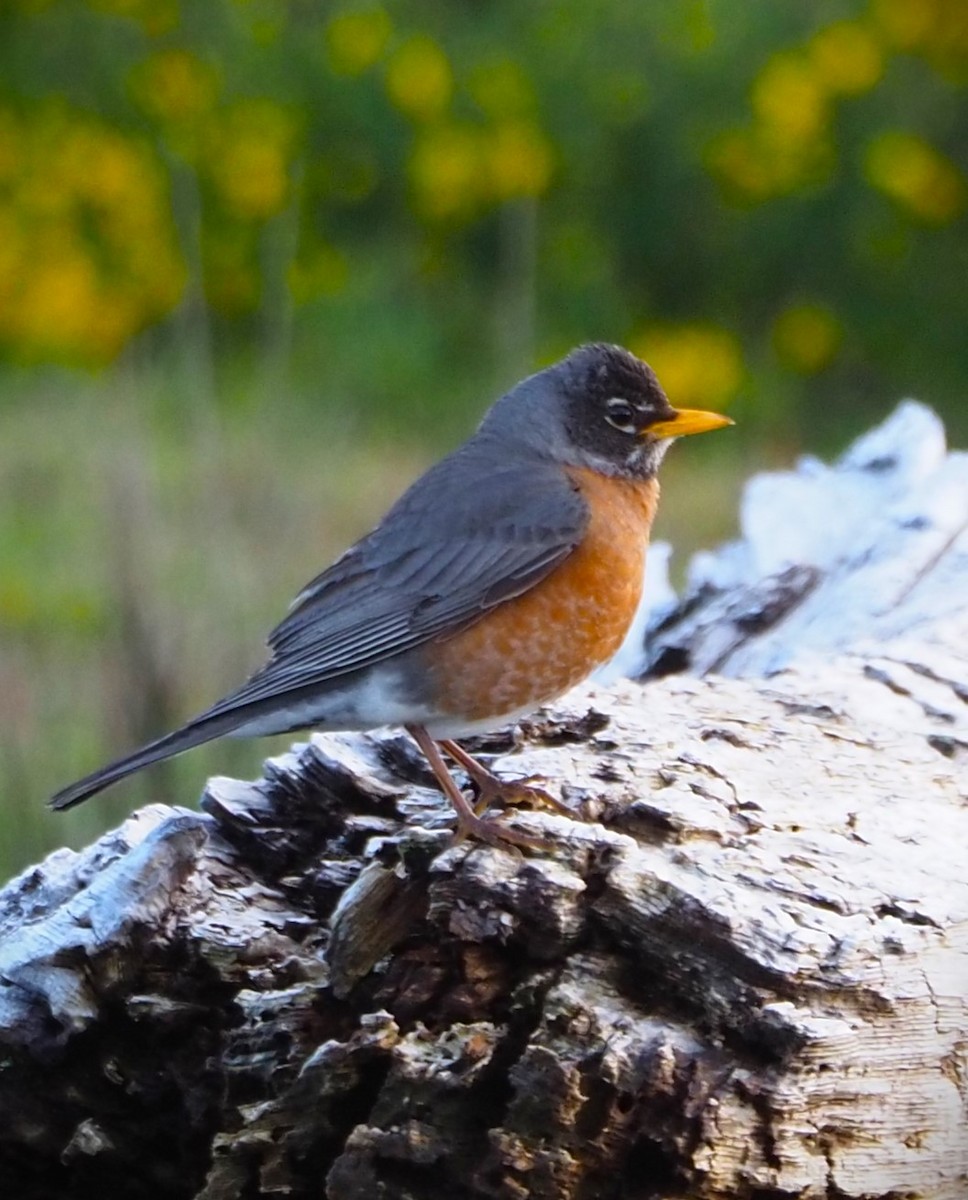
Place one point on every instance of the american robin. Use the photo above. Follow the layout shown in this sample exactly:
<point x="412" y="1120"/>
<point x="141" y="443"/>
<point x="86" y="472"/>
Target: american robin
<point x="505" y="575"/>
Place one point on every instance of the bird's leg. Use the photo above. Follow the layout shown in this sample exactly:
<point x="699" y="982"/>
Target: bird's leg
<point x="470" y="823"/>
<point x="491" y="787"/>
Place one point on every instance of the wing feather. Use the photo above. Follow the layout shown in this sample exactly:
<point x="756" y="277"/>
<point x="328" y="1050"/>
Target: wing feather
<point x="465" y="538"/>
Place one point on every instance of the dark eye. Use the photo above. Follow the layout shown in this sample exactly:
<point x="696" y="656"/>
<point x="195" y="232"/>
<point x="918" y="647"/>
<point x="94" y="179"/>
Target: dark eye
<point x="620" y="413"/>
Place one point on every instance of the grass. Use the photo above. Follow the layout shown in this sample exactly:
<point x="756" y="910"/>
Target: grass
<point x="147" y="546"/>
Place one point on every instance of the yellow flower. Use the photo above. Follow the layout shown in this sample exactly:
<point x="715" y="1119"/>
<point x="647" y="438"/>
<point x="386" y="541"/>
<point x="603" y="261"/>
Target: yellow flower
<point x="419" y="79"/>
<point x="520" y="160"/>
<point x="446" y="171"/>
<point x="699" y="365"/>
<point x="847" y="57"/>
<point x="789" y="98"/>
<point x="788" y="145"/>
<point x="252" y="177"/>
<point x="738" y="159"/>
<point x="58" y="295"/>
<point x="907" y="23"/>
<point x="756" y="165"/>
<point x="936" y="29"/>
<point x="98" y="166"/>
<point x="918" y="177"/>
<point x="248" y="159"/>
<point x="109" y="326"/>
<point x="806" y="337"/>
<point x="87" y="249"/>
<point x="356" y="40"/>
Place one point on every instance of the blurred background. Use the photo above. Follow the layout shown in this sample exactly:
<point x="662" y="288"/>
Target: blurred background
<point x="262" y="260"/>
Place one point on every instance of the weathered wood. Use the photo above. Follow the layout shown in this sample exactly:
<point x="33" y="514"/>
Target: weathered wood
<point x="833" y="560"/>
<point x="743" y="974"/>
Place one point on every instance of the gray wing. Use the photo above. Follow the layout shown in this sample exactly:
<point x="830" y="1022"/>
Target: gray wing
<point x="464" y="538"/>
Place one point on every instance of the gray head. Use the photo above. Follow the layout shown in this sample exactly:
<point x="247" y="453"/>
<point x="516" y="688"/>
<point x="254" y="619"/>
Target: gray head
<point x="601" y="407"/>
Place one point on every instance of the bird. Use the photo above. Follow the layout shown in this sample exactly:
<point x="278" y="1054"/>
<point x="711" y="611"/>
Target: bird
<point x="506" y="574"/>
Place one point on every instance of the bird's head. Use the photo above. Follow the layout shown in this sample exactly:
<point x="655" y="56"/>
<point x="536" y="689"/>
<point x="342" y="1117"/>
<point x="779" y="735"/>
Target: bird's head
<point x="601" y="407"/>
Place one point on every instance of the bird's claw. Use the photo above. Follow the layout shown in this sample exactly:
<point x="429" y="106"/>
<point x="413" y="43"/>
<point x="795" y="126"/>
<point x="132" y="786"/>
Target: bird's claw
<point x="498" y="833"/>
<point x="518" y="793"/>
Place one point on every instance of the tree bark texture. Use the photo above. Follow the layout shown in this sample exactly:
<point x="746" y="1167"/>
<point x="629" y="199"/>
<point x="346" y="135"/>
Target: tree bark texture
<point x="741" y="974"/>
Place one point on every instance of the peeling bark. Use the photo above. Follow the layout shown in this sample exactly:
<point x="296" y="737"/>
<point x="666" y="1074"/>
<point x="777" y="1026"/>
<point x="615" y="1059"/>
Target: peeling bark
<point x="742" y="974"/>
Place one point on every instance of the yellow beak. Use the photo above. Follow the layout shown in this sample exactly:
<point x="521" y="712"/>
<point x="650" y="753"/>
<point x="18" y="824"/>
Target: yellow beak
<point x="685" y="421"/>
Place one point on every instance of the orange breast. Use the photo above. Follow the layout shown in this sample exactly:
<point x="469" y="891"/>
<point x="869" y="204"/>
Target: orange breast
<point x="533" y="648"/>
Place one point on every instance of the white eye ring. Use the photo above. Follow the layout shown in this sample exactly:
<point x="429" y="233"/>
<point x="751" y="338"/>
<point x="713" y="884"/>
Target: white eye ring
<point x="621" y="414"/>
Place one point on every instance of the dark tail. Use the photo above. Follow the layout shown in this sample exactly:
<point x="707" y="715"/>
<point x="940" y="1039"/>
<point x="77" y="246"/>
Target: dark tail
<point x="195" y="733"/>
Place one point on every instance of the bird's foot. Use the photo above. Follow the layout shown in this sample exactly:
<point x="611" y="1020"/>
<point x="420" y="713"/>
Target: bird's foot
<point x="471" y="822"/>
<point x="495" y="831"/>
<point x="517" y="793"/>
<point x="507" y="793"/>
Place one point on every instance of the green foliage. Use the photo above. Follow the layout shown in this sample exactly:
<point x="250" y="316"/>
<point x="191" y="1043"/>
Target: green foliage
<point x="775" y="185"/>
<point x="289" y="242"/>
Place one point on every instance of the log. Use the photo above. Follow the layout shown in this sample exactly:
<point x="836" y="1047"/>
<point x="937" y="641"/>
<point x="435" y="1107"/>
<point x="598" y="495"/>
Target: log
<point x="743" y="972"/>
